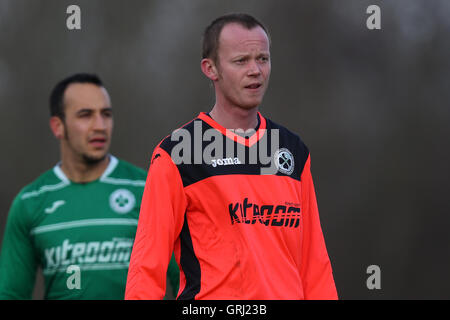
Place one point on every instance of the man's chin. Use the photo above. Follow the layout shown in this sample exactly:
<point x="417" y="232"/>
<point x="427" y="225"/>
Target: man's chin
<point x="250" y="105"/>
<point x="93" y="159"/>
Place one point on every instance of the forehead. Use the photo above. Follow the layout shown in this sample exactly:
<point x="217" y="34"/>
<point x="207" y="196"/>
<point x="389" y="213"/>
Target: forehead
<point x="85" y="96"/>
<point x="238" y="38"/>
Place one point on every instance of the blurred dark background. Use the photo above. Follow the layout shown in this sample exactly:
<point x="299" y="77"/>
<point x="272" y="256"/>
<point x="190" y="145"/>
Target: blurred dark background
<point x="372" y="105"/>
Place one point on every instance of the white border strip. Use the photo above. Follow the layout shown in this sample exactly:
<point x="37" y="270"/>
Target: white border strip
<point x="113" y="161"/>
<point x="43" y="189"/>
<point x="96" y="266"/>
<point x="83" y="223"/>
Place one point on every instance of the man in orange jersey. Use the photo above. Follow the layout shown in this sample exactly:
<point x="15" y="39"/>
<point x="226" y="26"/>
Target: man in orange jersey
<point x="239" y="211"/>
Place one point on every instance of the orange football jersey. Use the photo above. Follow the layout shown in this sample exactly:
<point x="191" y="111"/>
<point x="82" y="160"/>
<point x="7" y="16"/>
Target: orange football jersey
<point x="237" y="231"/>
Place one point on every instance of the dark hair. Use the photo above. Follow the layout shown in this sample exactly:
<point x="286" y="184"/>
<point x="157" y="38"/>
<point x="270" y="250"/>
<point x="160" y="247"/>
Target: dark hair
<point x="57" y="95"/>
<point x="212" y="32"/>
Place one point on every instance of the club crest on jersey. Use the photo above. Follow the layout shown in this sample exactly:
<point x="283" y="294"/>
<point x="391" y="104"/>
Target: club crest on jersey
<point x="122" y="201"/>
<point x="284" y="161"/>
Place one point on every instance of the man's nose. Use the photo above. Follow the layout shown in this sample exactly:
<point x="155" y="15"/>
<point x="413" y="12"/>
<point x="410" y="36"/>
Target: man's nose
<point x="99" y="122"/>
<point x="253" y="68"/>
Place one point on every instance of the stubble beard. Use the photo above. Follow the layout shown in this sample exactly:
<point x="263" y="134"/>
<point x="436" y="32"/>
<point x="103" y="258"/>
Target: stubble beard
<point x="91" y="161"/>
<point x="88" y="159"/>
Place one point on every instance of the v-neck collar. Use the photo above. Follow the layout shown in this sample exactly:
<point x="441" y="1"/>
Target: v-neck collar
<point x="246" y="141"/>
<point x="113" y="161"/>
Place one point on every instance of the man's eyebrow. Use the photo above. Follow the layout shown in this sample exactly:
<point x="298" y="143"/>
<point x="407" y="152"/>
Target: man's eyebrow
<point x="246" y="54"/>
<point x="87" y="109"/>
<point x="241" y="55"/>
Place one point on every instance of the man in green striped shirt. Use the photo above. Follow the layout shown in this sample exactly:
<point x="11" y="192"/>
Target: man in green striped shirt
<point x="77" y="221"/>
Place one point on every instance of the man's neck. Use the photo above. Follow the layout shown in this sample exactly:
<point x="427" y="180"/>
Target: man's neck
<point x="235" y="117"/>
<point x="83" y="172"/>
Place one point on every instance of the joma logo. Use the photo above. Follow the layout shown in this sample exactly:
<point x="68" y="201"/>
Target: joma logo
<point x="225" y="162"/>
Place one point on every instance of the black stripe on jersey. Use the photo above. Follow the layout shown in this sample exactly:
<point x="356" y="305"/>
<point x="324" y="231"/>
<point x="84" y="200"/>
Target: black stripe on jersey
<point x="189" y="264"/>
<point x="191" y="172"/>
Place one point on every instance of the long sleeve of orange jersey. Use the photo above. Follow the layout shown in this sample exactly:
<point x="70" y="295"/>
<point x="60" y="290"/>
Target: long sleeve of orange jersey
<point x="315" y="269"/>
<point x="160" y="222"/>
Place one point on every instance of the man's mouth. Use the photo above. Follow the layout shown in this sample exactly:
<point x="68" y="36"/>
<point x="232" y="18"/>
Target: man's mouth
<point x="253" y="86"/>
<point x="98" y="142"/>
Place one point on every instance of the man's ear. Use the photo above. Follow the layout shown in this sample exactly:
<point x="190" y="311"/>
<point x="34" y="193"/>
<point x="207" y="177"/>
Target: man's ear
<point x="209" y="69"/>
<point x="57" y="127"/>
